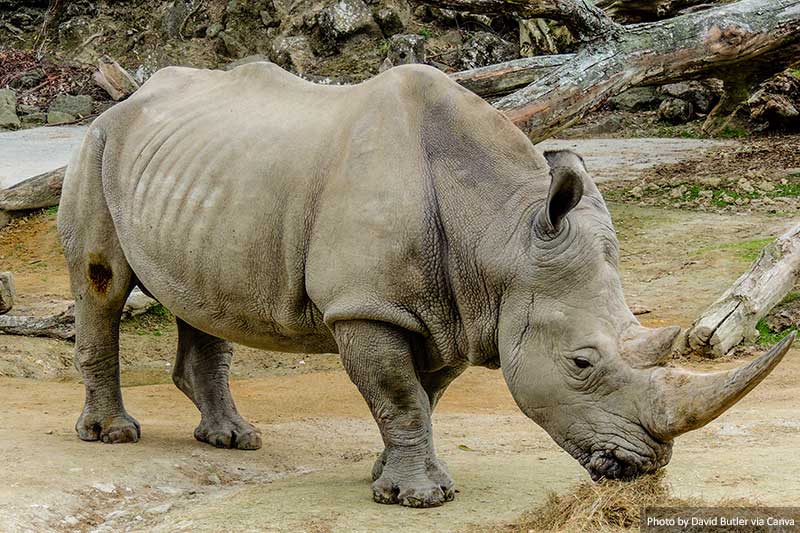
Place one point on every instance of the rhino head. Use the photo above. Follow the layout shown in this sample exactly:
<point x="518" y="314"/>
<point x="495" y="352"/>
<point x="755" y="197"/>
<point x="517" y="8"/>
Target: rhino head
<point x="575" y="358"/>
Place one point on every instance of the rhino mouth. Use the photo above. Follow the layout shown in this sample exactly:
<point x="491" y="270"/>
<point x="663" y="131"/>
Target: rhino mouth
<point x="624" y="465"/>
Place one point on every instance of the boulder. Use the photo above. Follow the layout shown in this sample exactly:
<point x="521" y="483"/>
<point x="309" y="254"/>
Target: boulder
<point x="636" y="99"/>
<point x="28" y="79"/>
<point x="34" y="119"/>
<point x="392" y="16"/>
<point x="59" y="117"/>
<point x="8" y="110"/>
<point x="255" y="58"/>
<point x="77" y="106"/>
<point x="404" y="50"/>
<point x="345" y="18"/>
<point x="675" y="111"/>
<point x="7" y="292"/>
<point x="697" y="93"/>
<point x="483" y="48"/>
<point x="293" y="53"/>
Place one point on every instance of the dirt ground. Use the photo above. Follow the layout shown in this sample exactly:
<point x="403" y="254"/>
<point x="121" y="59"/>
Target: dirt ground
<point x="319" y="440"/>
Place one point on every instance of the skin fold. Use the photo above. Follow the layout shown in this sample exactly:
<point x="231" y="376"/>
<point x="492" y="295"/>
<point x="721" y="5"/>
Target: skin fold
<point x="403" y="223"/>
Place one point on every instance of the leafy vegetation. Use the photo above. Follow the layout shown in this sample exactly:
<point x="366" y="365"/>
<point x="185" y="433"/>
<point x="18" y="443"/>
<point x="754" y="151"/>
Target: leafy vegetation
<point x="155" y="321"/>
<point x="768" y="337"/>
<point x="729" y="132"/>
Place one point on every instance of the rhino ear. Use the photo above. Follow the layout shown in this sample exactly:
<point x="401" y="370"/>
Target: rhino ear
<point x="566" y="188"/>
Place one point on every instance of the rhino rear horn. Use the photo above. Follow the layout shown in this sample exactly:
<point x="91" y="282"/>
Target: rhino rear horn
<point x="566" y="189"/>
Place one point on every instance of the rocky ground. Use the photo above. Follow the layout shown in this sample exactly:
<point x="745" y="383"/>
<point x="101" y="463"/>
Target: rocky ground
<point x="312" y="474"/>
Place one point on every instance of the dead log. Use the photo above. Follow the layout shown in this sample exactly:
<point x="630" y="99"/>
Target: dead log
<point x="721" y="42"/>
<point x="504" y="78"/>
<point x="114" y="79"/>
<point x="60" y="326"/>
<point x="734" y="316"/>
<point x="680" y="48"/>
<point x="37" y="192"/>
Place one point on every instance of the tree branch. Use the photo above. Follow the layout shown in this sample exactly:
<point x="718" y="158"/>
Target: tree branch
<point x="584" y="19"/>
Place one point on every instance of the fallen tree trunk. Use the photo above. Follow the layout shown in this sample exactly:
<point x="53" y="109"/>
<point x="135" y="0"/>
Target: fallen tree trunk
<point x="60" y="326"/>
<point x="677" y="49"/>
<point x="734" y="316"/>
<point x="37" y="192"/>
<point x="504" y="78"/>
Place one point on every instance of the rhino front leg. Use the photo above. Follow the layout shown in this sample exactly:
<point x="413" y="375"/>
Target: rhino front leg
<point x="379" y="361"/>
<point x="201" y="372"/>
<point x="434" y="383"/>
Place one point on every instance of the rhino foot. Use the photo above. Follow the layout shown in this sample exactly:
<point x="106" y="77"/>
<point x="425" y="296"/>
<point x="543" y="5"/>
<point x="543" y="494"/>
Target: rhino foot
<point x="111" y="430"/>
<point x="431" y="489"/>
<point x="229" y="433"/>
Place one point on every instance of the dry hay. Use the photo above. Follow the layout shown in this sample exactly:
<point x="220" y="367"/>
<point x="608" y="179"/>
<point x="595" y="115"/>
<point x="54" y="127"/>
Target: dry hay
<point x="607" y="506"/>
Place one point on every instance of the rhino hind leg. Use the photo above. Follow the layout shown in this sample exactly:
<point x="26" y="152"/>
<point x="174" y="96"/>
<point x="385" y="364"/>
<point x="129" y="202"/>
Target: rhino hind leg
<point x="101" y="280"/>
<point x="201" y="372"/>
<point x="379" y="361"/>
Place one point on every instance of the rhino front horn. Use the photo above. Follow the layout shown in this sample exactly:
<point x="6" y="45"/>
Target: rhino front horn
<point x="681" y="401"/>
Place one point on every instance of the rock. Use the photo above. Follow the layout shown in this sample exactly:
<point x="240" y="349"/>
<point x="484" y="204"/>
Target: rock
<point x="636" y="99"/>
<point x="636" y="192"/>
<point x="34" y="119"/>
<point x="392" y="16"/>
<point x="404" y="50"/>
<point x="79" y="106"/>
<point x="107" y="488"/>
<point x="214" y="479"/>
<point x="23" y="109"/>
<point x="268" y="19"/>
<point x="231" y="46"/>
<point x="59" y="117"/>
<point x="389" y="21"/>
<point x="345" y="18"/>
<point x="7" y="292"/>
<point x="255" y="58"/>
<point x="695" y="92"/>
<point x="8" y="110"/>
<point x="675" y="111"/>
<point x="293" y="53"/>
<point x="159" y="509"/>
<point x="484" y="48"/>
<point x="28" y="79"/>
<point x="745" y="186"/>
<point x="214" y="30"/>
<point x="610" y="124"/>
<point x="5" y="218"/>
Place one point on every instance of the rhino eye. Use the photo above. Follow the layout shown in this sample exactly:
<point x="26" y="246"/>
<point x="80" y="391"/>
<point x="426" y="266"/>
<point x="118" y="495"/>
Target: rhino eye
<point x="581" y="362"/>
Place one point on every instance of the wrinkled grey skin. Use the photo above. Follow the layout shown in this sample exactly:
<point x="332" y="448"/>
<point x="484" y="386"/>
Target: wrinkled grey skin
<point x="402" y="222"/>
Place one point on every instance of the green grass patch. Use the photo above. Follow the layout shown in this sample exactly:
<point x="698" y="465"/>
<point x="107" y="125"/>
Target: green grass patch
<point x="155" y="321"/>
<point x="51" y="211"/>
<point x="767" y="337"/>
<point x="425" y="32"/>
<point x="746" y="250"/>
<point x="730" y="132"/>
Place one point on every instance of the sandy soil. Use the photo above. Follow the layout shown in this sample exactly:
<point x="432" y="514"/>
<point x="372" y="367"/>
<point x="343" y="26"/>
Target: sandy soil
<point x="312" y="474"/>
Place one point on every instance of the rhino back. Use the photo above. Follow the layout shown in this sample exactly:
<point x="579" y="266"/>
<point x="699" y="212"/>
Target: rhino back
<point x="259" y="207"/>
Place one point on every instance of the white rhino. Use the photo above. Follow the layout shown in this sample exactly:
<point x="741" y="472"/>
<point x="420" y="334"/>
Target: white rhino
<point x="403" y="223"/>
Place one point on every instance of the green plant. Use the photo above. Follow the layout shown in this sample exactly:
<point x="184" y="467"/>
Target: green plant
<point x="51" y="211"/>
<point x="425" y="32"/>
<point x="732" y="132"/>
<point x="767" y="337"/>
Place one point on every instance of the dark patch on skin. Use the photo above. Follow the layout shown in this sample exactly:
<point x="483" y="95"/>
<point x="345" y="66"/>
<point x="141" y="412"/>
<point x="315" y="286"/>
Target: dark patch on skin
<point x="100" y="275"/>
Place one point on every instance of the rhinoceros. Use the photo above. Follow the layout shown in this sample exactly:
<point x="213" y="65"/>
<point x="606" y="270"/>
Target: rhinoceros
<point x="403" y="223"/>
